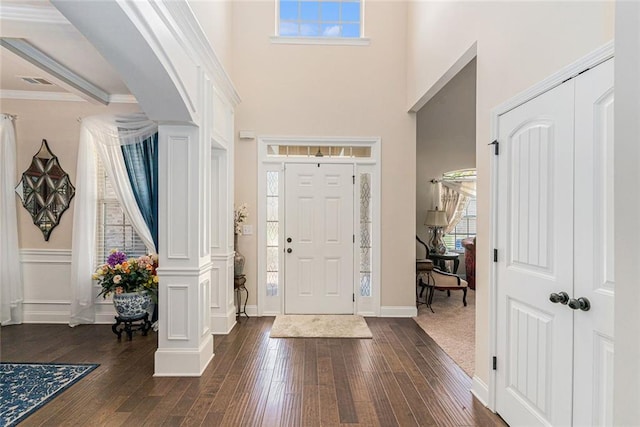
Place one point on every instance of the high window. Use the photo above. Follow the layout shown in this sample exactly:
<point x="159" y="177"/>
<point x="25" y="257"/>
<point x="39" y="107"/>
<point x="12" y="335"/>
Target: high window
<point x="320" y="18"/>
<point x="114" y="231"/>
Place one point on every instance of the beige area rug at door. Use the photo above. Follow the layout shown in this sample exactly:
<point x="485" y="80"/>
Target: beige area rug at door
<point x="320" y="326"/>
<point x="452" y="326"/>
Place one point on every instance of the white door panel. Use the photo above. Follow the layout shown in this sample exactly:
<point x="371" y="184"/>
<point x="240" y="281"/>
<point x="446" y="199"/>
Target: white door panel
<point x="535" y="233"/>
<point x="319" y="222"/>
<point x="555" y="230"/>
<point x="594" y="247"/>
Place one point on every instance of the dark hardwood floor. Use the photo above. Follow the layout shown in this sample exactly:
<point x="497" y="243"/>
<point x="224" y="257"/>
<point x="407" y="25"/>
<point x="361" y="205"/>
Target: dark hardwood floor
<point x="398" y="378"/>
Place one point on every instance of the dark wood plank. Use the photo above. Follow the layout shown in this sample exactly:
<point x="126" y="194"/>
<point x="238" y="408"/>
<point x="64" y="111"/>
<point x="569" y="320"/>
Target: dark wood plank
<point x="398" y="378"/>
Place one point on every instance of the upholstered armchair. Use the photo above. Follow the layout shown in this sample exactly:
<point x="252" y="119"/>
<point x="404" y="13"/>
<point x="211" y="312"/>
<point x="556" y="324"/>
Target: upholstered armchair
<point x="428" y="277"/>
<point x="470" y="261"/>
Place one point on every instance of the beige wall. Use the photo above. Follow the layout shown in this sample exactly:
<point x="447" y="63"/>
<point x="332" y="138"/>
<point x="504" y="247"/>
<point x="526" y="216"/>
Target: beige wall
<point x="519" y="44"/>
<point x="445" y="141"/>
<point x="312" y="90"/>
<point x="215" y="18"/>
<point x="57" y="122"/>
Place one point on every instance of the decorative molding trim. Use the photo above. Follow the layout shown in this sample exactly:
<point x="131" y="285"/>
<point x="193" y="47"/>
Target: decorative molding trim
<point x="480" y="390"/>
<point x="178" y="196"/>
<point x="367" y="314"/>
<point x="186" y="271"/>
<point x="48" y="302"/>
<point x="205" y="309"/>
<point x="457" y="66"/>
<point x="222" y="324"/>
<point x="320" y="141"/>
<point x="35" y="95"/>
<point x="398" y="311"/>
<point x="222" y="257"/>
<point x="180" y="19"/>
<point x="63" y="76"/>
<point x="139" y="13"/>
<point x="268" y="313"/>
<point x="45" y="256"/>
<point x="44" y="14"/>
<point x="184" y="362"/>
<point x="122" y="99"/>
<point x="325" y="41"/>
<point x="177" y="317"/>
<point x="48" y="317"/>
<point x="570" y="71"/>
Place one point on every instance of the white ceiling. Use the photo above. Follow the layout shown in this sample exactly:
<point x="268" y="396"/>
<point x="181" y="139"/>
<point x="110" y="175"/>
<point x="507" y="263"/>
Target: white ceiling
<point x="41" y="25"/>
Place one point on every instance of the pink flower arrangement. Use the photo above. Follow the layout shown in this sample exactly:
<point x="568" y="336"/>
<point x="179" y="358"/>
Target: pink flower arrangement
<point x="123" y="275"/>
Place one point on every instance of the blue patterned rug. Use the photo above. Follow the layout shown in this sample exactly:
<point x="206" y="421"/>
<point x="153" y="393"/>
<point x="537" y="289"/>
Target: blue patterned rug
<point x="26" y="387"/>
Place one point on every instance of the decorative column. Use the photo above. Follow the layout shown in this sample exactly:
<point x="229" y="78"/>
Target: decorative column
<point x="223" y="309"/>
<point x="185" y="341"/>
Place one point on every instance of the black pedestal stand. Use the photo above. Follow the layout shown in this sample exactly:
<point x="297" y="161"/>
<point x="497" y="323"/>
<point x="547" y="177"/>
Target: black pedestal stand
<point x="130" y="324"/>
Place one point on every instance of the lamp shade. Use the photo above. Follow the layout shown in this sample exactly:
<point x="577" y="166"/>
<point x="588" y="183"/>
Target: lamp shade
<point x="436" y="218"/>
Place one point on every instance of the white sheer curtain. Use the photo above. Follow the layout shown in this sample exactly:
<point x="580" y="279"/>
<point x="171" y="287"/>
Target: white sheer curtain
<point x="455" y="197"/>
<point x="102" y="136"/>
<point x="10" y="270"/>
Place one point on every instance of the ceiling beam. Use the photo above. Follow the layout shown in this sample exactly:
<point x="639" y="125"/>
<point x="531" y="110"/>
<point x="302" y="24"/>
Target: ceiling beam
<point x="61" y="75"/>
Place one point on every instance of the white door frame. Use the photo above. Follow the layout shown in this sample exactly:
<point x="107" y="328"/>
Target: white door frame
<point x="270" y="305"/>
<point x="598" y="56"/>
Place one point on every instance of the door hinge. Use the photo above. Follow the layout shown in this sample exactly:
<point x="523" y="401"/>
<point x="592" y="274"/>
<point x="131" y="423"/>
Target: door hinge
<point x="354" y="238"/>
<point x="496" y="148"/>
<point x="354" y="297"/>
<point x="495" y="363"/>
<point x="354" y="179"/>
<point x="495" y="255"/>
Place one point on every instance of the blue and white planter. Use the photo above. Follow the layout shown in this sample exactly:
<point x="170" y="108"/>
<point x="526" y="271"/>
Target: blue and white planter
<point x="132" y="305"/>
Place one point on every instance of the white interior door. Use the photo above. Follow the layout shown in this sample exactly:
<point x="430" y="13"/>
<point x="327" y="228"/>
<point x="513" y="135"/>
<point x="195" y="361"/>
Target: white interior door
<point x="555" y="227"/>
<point x="319" y="240"/>
<point x="535" y="244"/>
<point x="594" y="248"/>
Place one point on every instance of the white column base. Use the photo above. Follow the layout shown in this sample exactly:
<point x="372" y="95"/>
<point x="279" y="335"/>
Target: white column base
<point x="222" y="324"/>
<point x="183" y="363"/>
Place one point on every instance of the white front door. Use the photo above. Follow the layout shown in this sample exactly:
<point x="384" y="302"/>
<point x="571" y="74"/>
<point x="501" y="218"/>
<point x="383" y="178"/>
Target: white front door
<point x="555" y="234"/>
<point x="319" y="239"/>
<point x="535" y="244"/>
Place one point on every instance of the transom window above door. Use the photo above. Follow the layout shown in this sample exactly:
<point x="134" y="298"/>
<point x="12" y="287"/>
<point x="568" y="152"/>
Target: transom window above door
<point x="320" y="18"/>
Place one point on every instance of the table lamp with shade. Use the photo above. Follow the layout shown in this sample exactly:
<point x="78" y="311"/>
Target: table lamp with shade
<point x="436" y="220"/>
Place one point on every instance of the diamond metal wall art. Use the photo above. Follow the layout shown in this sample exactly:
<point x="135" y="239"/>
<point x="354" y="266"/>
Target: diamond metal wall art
<point x="45" y="190"/>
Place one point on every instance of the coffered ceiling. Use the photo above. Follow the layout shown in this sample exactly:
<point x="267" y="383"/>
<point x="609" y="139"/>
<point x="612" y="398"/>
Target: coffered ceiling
<point x="38" y="42"/>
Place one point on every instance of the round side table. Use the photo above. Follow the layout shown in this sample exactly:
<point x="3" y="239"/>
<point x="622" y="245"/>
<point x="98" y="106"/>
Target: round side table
<point x="441" y="261"/>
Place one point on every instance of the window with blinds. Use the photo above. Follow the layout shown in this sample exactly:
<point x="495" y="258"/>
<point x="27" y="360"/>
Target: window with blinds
<point x="114" y="231"/>
<point x="466" y="228"/>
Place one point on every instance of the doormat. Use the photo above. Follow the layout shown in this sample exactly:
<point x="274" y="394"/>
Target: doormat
<point x="320" y="326"/>
<point x="26" y="387"/>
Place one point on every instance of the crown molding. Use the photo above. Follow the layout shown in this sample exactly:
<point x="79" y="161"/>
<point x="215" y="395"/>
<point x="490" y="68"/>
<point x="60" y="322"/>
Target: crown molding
<point x="33" y="95"/>
<point x="28" y="13"/>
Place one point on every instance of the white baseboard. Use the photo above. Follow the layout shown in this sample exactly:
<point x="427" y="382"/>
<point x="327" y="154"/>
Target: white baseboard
<point x="398" y="311"/>
<point x="480" y="390"/>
